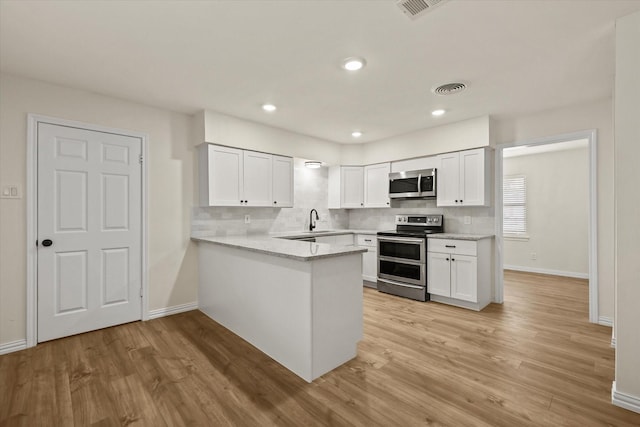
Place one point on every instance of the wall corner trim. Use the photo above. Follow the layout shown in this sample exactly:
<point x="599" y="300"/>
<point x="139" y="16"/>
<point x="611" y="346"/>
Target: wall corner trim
<point x="613" y="342"/>
<point x="10" y="347"/>
<point x="175" y="309"/>
<point x="624" y="400"/>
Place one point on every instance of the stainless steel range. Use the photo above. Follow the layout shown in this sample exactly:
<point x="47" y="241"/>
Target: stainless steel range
<point x="402" y="255"/>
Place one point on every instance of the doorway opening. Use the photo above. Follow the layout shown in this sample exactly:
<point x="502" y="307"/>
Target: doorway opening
<point x="512" y="232"/>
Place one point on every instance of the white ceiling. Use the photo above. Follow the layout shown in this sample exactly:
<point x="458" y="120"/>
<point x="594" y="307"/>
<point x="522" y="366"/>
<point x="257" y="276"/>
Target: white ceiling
<point x="231" y="56"/>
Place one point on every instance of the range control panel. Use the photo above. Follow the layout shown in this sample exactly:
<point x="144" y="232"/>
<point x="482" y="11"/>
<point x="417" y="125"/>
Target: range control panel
<point x="434" y="220"/>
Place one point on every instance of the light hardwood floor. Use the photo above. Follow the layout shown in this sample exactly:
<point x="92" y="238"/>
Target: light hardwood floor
<point x="534" y="361"/>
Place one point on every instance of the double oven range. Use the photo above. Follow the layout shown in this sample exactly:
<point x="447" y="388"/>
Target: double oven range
<point x="402" y="255"/>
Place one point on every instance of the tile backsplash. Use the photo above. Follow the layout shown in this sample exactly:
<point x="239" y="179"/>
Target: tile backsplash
<point x="310" y="191"/>
<point x="482" y="218"/>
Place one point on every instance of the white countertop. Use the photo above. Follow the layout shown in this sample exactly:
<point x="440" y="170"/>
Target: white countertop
<point x="456" y="236"/>
<point x="277" y="244"/>
<point x="318" y="233"/>
<point x="293" y="249"/>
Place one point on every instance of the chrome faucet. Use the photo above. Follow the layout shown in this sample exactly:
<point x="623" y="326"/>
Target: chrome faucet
<point x="312" y="225"/>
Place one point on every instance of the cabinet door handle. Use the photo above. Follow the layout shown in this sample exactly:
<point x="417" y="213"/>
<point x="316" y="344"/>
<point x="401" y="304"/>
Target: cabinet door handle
<point x="449" y="246"/>
<point x="456" y="201"/>
<point x="446" y="259"/>
<point x="460" y="200"/>
<point x="452" y="259"/>
<point x="275" y="203"/>
<point x="367" y="240"/>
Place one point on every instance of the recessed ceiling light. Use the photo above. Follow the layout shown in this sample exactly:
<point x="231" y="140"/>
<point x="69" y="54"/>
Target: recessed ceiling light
<point x="269" y="108"/>
<point x="356" y="134"/>
<point x="313" y="164"/>
<point x="353" y="64"/>
<point x="437" y="112"/>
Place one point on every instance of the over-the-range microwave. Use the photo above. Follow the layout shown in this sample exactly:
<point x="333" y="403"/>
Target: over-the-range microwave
<point x="413" y="184"/>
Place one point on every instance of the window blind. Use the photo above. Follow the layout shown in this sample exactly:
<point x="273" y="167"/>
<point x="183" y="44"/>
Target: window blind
<point x="514" y="193"/>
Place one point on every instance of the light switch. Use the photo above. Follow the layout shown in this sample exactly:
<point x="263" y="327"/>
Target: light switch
<point x="10" y="192"/>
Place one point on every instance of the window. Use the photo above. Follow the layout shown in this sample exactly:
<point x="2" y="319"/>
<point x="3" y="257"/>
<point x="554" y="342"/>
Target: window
<point x="514" y="190"/>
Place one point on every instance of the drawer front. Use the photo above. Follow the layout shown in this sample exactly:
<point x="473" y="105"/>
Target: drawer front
<point x="459" y="247"/>
<point x="366" y="240"/>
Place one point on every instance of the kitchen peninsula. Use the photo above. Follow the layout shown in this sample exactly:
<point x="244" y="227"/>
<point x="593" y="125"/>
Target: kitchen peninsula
<point x="298" y="302"/>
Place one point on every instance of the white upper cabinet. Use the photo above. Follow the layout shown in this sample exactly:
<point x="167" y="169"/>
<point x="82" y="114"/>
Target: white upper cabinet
<point x="462" y="178"/>
<point x="359" y="186"/>
<point x="448" y="180"/>
<point x="376" y="186"/>
<point x="221" y="176"/>
<point x="352" y="187"/>
<point x="282" y="182"/>
<point x="258" y="177"/>
<point x="234" y="177"/>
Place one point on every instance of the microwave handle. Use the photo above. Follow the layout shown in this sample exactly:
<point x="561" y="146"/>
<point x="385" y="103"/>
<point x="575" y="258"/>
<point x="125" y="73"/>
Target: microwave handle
<point x="419" y="183"/>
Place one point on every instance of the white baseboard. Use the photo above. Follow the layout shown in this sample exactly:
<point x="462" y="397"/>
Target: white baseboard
<point x="624" y="400"/>
<point x="168" y="311"/>
<point x="605" y="321"/>
<point x="547" y="271"/>
<point x="10" y="347"/>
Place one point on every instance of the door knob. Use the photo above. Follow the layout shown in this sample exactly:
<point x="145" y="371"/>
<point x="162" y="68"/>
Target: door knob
<point x="47" y="242"/>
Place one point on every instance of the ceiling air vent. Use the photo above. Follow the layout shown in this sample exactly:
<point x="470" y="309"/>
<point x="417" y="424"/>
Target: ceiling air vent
<point x="415" y="8"/>
<point x="449" y="88"/>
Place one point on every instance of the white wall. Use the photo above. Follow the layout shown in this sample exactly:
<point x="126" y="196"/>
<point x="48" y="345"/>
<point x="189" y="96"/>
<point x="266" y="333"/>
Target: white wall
<point x="557" y="213"/>
<point x="472" y="133"/>
<point x="227" y="130"/>
<point x="627" y="209"/>
<point x="596" y="115"/>
<point x="172" y="171"/>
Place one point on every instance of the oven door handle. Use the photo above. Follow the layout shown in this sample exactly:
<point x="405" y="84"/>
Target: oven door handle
<point x="393" y="282"/>
<point x="401" y="260"/>
<point x="400" y="240"/>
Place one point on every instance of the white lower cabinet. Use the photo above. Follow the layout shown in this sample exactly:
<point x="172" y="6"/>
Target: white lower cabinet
<point x="459" y="272"/>
<point x="369" y="258"/>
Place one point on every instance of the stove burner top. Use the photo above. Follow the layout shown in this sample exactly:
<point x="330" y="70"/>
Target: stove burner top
<point x="413" y="233"/>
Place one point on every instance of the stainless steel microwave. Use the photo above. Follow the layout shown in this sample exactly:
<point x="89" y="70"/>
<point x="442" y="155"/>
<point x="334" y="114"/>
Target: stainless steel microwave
<point x="413" y="184"/>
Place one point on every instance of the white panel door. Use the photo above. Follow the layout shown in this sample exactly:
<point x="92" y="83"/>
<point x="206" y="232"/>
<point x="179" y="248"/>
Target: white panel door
<point x="448" y="180"/>
<point x="258" y="179"/>
<point x="439" y="274"/>
<point x="89" y="230"/>
<point x="376" y="185"/>
<point x="225" y="176"/>
<point x="464" y="277"/>
<point x="352" y="187"/>
<point x="282" y="182"/>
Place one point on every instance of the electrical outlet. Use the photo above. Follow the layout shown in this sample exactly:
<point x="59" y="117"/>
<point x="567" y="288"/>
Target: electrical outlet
<point x="467" y="219"/>
<point x="247" y="219"/>
<point x="534" y="255"/>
